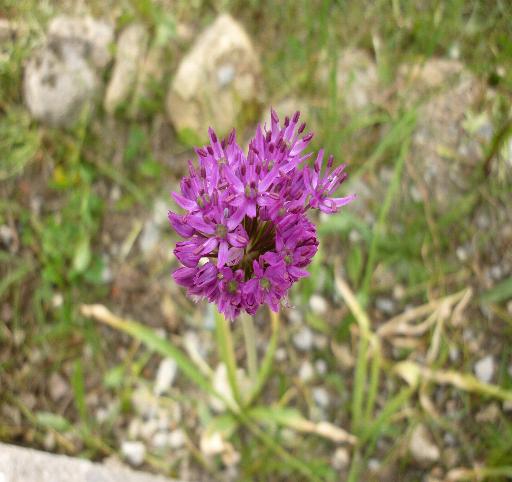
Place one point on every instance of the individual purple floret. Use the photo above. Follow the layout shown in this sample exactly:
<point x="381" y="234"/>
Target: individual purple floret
<point x="246" y="235"/>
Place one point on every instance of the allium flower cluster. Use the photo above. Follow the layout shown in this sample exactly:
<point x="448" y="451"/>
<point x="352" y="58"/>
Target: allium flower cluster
<point x="246" y="235"/>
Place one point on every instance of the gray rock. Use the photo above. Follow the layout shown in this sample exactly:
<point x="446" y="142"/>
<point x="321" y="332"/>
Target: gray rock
<point x="59" y="83"/>
<point x="95" y="36"/>
<point x="131" y="49"/>
<point x="214" y="80"/>
<point x="18" y="464"/>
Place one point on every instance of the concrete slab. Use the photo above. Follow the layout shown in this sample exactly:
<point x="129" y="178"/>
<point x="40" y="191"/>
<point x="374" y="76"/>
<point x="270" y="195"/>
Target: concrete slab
<point x="18" y="464"/>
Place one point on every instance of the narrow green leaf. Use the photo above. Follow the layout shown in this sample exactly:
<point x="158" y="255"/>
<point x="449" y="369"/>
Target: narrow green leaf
<point x="53" y="421"/>
<point x="501" y="292"/>
<point x="82" y="256"/>
<point x="165" y="348"/>
<point x="78" y="385"/>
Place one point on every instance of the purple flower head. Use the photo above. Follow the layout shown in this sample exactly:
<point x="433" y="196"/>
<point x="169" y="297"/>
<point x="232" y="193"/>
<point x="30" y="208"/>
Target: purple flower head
<point x="247" y="238"/>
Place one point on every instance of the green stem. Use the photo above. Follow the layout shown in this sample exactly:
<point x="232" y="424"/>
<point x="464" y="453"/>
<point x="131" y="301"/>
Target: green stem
<point x="227" y="354"/>
<point x="268" y="359"/>
<point x="250" y="347"/>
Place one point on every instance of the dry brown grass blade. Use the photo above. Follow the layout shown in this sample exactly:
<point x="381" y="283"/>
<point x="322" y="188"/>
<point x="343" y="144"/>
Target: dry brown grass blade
<point x="401" y="324"/>
<point x="414" y="373"/>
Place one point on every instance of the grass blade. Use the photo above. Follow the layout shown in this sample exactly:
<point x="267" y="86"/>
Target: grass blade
<point x="152" y="341"/>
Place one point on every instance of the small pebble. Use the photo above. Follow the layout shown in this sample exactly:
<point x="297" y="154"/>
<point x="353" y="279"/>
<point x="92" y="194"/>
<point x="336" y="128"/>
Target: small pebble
<point x="374" y="465"/>
<point x="133" y="452"/>
<point x="454" y="353"/>
<point x="177" y="438"/>
<point x="484" y="369"/>
<point x="354" y="236"/>
<point x="321" y="367"/>
<point x="295" y="317"/>
<point x="496" y="272"/>
<point x="57" y="386"/>
<point x="306" y="372"/>
<point x="321" y="397"/>
<point x="280" y="354"/>
<point x="385" y="305"/>
<point x="149" y="237"/>
<point x="509" y="307"/>
<point x="318" y="304"/>
<point x="422" y="447"/>
<point x="57" y="300"/>
<point x="320" y="341"/>
<point x="303" y="339"/>
<point x="462" y="254"/>
<point x="165" y="376"/>
<point x="398" y="292"/>
<point x="148" y="429"/>
<point x="341" y="458"/>
<point x="160" y="440"/>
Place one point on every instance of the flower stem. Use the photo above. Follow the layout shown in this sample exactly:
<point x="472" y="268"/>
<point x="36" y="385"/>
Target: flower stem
<point x="268" y="359"/>
<point x="250" y="347"/>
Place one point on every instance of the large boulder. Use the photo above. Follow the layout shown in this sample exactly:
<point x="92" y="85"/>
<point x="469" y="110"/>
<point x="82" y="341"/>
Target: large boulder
<point x="58" y="83"/>
<point x="444" y="153"/>
<point x="61" y="77"/>
<point x="214" y="80"/>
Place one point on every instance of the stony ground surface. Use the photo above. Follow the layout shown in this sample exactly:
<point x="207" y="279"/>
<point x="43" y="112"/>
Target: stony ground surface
<point x="99" y="107"/>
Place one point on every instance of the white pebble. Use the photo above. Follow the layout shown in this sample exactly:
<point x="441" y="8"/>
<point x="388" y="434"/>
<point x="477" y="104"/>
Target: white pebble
<point x="165" y="376"/>
<point x="421" y="446"/>
<point x="306" y="372"/>
<point x="462" y="254"/>
<point x="177" y="439"/>
<point x="133" y="452"/>
<point x="3" y="477"/>
<point x="321" y="397"/>
<point x="341" y="458"/>
<point x="303" y="339"/>
<point x="354" y="236"/>
<point x="321" y="367"/>
<point x="454" y="353"/>
<point x="160" y="440"/>
<point x="320" y="342"/>
<point x="149" y="237"/>
<point x="280" y="354"/>
<point x="484" y="369"/>
<point x="318" y="304"/>
<point x="385" y="305"/>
